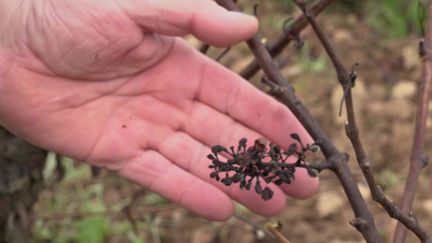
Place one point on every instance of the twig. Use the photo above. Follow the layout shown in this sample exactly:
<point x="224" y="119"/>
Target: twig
<point x="346" y="79"/>
<point x="275" y="230"/>
<point x="290" y="34"/>
<point x="128" y="209"/>
<point x="363" y="222"/>
<point x="254" y="225"/>
<point x="418" y="158"/>
<point x="320" y="166"/>
<point x="223" y="53"/>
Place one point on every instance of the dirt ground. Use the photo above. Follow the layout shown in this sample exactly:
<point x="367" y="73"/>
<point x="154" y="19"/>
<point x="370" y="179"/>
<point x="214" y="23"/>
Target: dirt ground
<point x="384" y="95"/>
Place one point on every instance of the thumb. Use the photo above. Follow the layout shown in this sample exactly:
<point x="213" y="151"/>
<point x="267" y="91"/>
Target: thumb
<point x="204" y="19"/>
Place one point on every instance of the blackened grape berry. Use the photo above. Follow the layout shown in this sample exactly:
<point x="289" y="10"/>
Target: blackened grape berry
<point x="247" y="165"/>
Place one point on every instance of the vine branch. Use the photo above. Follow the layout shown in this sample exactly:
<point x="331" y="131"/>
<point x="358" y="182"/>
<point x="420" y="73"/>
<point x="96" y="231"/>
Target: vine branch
<point x="363" y="222"/>
<point x="346" y="79"/>
<point x="418" y="158"/>
<point x="290" y="33"/>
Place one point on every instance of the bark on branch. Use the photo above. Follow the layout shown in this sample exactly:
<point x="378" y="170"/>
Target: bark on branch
<point x="289" y="34"/>
<point x="346" y="79"/>
<point x="363" y="218"/>
<point x="418" y="158"/>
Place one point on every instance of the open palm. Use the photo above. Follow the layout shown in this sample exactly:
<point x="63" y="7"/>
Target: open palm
<point x="105" y="82"/>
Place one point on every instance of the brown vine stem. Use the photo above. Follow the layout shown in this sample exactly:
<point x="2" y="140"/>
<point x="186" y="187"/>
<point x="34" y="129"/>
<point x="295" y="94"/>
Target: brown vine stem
<point x="418" y="158"/>
<point x="290" y="34"/>
<point x="275" y="230"/>
<point x="364" y="221"/>
<point x="346" y="79"/>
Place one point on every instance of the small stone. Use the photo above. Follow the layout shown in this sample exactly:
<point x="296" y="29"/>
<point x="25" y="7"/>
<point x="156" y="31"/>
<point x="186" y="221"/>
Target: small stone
<point x="364" y="190"/>
<point x="191" y="40"/>
<point x="203" y="234"/>
<point x="342" y="35"/>
<point x="329" y="203"/>
<point x="410" y="57"/>
<point x="404" y="89"/>
<point x="292" y="71"/>
<point x="400" y="109"/>
<point x="427" y="205"/>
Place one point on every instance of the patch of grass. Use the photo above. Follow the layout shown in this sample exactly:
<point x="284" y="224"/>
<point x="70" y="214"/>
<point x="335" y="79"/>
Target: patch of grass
<point x="391" y="18"/>
<point x="97" y="198"/>
<point x="92" y="229"/>
<point x="308" y="62"/>
<point x="388" y="178"/>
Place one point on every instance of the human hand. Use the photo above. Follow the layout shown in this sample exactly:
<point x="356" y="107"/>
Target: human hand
<point x="106" y="82"/>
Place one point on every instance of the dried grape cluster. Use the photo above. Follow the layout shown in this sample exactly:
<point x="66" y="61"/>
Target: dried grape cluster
<point x="259" y="164"/>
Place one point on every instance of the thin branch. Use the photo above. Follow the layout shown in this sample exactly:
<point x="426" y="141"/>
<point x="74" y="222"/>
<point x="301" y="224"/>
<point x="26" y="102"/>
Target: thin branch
<point x="290" y="34"/>
<point x="346" y="79"/>
<point x="223" y="53"/>
<point x="320" y="166"/>
<point x="418" y="158"/>
<point x="254" y="225"/>
<point x="364" y="222"/>
<point x="275" y="230"/>
<point x="204" y="48"/>
<point x="342" y="74"/>
<point x="127" y="209"/>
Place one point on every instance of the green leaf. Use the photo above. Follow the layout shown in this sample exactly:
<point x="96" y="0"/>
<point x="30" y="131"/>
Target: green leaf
<point x="92" y="229"/>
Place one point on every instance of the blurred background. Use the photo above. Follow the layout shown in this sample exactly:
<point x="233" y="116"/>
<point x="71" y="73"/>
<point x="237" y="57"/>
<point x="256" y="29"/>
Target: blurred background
<point x="79" y="204"/>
